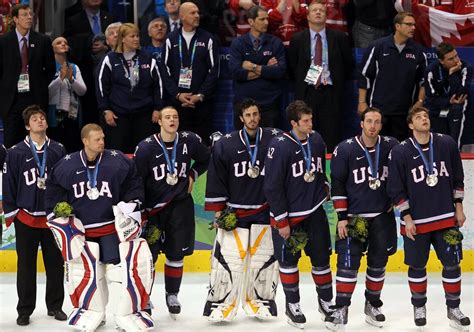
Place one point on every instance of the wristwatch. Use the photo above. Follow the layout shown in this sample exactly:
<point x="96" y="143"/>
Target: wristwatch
<point x="201" y="97"/>
<point x="254" y="67"/>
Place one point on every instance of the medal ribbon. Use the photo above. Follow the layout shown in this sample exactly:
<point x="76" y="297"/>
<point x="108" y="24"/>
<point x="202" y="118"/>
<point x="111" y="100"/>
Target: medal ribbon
<point x="252" y="153"/>
<point x="180" y="43"/>
<point x="373" y="171"/>
<point x="92" y="173"/>
<point x="428" y="163"/>
<point x="306" y="152"/>
<point x="41" y="165"/>
<point x="169" y="163"/>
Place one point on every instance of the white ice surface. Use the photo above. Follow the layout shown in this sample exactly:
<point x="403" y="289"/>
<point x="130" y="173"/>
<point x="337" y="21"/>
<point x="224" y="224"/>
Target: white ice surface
<point x="396" y="297"/>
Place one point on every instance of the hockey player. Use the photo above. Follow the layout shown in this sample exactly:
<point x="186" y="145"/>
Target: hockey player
<point x="99" y="241"/>
<point x="27" y="166"/>
<point x="296" y="187"/>
<point x="235" y="180"/>
<point x="426" y="184"/>
<point x="359" y="169"/>
<point x="165" y="163"/>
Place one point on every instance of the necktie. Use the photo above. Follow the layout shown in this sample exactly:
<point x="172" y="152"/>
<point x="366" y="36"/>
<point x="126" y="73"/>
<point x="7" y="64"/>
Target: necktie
<point x="95" y="25"/>
<point x="256" y="44"/>
<point x="24" y="56"/>
<point x="318" y="55"/>
<point x="175" y="26"/>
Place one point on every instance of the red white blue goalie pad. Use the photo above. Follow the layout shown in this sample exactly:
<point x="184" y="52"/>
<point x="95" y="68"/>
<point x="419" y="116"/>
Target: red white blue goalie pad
<point x="69" y="235"/>
<point x="127" y="221"/>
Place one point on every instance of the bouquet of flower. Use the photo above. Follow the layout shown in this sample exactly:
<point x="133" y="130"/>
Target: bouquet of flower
<point x="153" y="234"/>
<point x="227" y="220"/>
<point x="63" y="210"/>
<point x="453" y="236"/>
<point x="358" y="228"/>
<point x="297" y="240"/>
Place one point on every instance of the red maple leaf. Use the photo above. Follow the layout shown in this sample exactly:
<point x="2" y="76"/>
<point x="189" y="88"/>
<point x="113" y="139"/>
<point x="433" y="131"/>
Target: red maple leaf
<point x="466" y="33"/>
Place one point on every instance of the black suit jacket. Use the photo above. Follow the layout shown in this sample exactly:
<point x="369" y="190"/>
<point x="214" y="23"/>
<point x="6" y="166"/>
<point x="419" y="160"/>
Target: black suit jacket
<point x="79" y="34"/>
<point x="299" y="60"/>
<point x="41" y="68"/>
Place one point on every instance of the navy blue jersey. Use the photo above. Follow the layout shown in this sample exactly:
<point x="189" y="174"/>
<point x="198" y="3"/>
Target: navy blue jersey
<point x="227" y="180"/>
<point x="151" y="164"/>
<point x="117" y="180"/>
<point x="291" y="198"/>
<point x="350" y="176"/>
<point x="21" y="196"/>
<point x="431" y="208"/>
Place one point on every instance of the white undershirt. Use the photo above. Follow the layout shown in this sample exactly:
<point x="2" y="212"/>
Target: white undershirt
<point x="188" y="36"/>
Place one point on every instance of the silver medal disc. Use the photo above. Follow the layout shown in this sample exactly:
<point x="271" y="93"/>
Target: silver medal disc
<point x="41" y="183"/>
<point x="309" y="176"/>
<point x="93" y="194"/>
<point x="171" y="179"/>
<point x="253" y="172"/>
<point x="432" y="180"/>
<point x="374" y="184"/>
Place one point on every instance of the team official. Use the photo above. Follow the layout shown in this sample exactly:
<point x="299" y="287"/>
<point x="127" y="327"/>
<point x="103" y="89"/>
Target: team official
<point x="426" y="185"/>
<point x="235" y="181"/>
<point x="165" y="163"/>
<point x="99" y="239"/>
<point x="296" y="187"/>
<point x="27" y="166"/>
<point x="359" y="169"/>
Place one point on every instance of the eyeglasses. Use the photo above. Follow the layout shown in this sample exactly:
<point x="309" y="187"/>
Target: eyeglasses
<point x="409" y="24"/>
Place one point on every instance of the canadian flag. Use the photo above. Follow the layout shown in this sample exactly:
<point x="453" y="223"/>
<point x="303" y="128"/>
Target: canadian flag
<point x="434" y="26"/>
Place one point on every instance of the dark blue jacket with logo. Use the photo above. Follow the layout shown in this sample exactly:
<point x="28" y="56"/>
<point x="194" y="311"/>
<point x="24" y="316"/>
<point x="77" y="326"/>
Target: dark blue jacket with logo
<point x="267" y="88"/>
<point x="392" y="77"/>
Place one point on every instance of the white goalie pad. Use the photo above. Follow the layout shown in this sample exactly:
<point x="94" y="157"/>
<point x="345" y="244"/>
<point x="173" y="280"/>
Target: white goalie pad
<point x="131" y="280"/>
<point x="261" y="277"/>
<point x="87" y="286"/>
<point x="69" y="235"/>
<point x="127" y="221"/>
<point x="227" y="267"/>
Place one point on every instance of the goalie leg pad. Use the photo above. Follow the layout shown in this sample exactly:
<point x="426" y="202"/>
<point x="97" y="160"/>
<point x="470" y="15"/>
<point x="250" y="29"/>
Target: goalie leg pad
<point x="131" y="280"/>
<point x="261" y="277"/>
<point x="227" y="266"/>
<point x="69" y="235"/>
<point x="86" y="283"/>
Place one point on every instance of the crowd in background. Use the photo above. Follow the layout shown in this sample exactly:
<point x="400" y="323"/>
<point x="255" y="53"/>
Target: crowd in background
<point x="103" y="76"/>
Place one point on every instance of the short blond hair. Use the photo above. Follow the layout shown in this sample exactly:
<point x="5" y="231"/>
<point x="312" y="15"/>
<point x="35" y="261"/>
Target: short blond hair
<point x="124" y="30"/>
<point x="85" y="131"/>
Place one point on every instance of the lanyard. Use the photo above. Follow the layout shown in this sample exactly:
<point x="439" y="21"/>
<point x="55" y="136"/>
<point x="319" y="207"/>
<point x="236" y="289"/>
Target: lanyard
<point x="373" y="171"/>
<point x="428" y="163"/>
<point x="252" y="153"/>
<point x="169" y="163"/>
<point x="306" y="152"/>
<point x="92" y="174"/>
<point x="193" y="52"/>
<point x="41" y="165"/>
<point x="446" y="91"/>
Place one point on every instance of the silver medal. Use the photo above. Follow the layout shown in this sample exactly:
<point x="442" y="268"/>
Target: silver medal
<point x="431" y="180"/>
<point x="374" y="184"/>
<point x="309" y="176"/>
<point x="253" y="171"/>
<point x="171" y="179"/>
<point x="41" y="183"/>
<point x="93" y="194"/>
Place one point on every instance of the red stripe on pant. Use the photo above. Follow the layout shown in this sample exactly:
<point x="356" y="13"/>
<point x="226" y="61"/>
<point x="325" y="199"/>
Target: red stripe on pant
<point x="173" y="272"/>
<point x="345" y="287"/>
<point x="374" y="285"/>
<point x="322" y="279"/>
<point x="292" y="278"/>
<point x="418" y="287"/>
<point x="452" y="287"/>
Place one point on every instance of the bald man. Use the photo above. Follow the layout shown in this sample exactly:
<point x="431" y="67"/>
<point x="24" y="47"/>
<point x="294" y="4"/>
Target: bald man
<point x="191" y="59"/>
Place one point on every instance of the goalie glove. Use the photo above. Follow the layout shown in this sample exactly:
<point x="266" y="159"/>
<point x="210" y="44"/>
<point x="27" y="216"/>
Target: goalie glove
<point x="69" y="234"/>
<point x="127" y="221"/>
